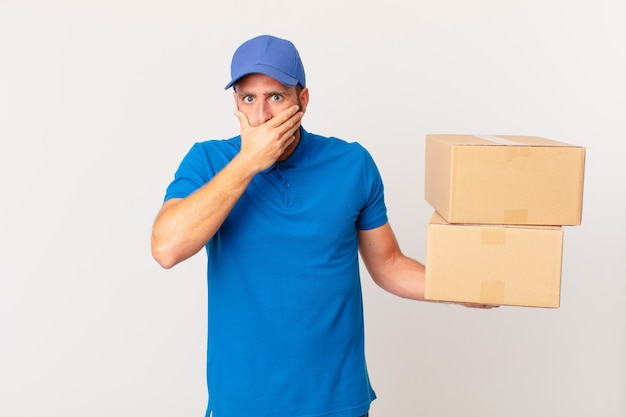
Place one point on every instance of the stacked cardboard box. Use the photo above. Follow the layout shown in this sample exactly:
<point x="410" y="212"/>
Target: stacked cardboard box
<point x="500" y="202"/>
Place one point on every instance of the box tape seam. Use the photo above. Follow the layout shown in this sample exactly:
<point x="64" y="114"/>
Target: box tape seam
<point x="501" y="141"/>
<point x="492" y="292"/>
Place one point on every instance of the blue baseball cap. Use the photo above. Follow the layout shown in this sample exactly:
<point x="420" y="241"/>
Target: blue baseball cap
<point x="269" y="55"/>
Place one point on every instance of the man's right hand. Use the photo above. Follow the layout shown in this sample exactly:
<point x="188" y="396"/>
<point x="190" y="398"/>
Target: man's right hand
<point x="263" y="145"/>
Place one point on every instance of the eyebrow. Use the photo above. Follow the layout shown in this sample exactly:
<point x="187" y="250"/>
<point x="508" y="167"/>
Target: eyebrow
<point x="266" y="94"/>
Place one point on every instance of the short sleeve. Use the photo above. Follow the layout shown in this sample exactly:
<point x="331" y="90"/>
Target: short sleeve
<point x="374" y="211"/>
<point x="203" y="161"/>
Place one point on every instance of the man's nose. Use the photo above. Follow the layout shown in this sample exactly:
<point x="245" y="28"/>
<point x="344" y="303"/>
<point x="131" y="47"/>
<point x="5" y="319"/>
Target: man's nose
<point x="262" y="113"/>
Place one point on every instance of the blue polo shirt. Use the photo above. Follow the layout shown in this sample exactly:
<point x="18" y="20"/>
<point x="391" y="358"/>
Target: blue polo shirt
<point x="285" y="320"/>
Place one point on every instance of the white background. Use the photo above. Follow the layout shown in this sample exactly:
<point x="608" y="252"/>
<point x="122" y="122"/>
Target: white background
<point x="99" y="101"/>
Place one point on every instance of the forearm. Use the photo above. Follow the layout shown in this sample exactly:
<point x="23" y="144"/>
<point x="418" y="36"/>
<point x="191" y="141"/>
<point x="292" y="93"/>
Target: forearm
<point x="184" y="226"/>
<point x="388" y="266"/>
<point x="402" y="276"/>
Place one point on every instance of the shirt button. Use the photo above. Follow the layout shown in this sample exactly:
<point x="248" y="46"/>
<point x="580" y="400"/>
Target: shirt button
<point x="287" y="185"/>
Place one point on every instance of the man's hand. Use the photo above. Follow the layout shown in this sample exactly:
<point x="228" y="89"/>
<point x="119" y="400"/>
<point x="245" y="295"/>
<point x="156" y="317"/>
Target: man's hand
<point x="263" y="145"/>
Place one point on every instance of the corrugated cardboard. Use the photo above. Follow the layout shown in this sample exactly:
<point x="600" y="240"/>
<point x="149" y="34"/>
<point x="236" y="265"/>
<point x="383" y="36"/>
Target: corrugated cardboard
<point x="504" y="179"/>
<point x="493" y="264"/>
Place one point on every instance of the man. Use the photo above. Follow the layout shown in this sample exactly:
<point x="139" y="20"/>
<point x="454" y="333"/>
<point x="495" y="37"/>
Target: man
<point x="283" y="214"/>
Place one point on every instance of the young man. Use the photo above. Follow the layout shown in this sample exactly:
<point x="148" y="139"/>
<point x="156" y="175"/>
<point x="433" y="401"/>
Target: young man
<point x="283" y="214"/>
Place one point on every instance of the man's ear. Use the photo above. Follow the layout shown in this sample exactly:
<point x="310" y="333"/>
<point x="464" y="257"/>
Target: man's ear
<point x="304" y="99"/>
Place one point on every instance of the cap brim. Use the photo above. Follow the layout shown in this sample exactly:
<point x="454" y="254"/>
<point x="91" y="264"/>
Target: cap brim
<point x="279" y="76"/>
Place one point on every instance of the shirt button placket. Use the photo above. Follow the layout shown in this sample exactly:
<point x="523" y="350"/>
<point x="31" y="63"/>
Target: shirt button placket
<point x="286" y="184"/>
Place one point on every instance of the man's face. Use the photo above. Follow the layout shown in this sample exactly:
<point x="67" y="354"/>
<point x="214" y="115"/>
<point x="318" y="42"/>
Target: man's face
<point x="261" y="97"/>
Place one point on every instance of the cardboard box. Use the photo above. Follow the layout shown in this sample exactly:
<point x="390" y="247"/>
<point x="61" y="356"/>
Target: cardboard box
<point x="504" y="179"/>
<point x="493" y="264"/>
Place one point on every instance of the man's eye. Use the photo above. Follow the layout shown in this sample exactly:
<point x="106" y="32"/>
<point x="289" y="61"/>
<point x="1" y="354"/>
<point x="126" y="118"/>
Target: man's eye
<point x="248" y="99"/>
<point x="276" y="97"/>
